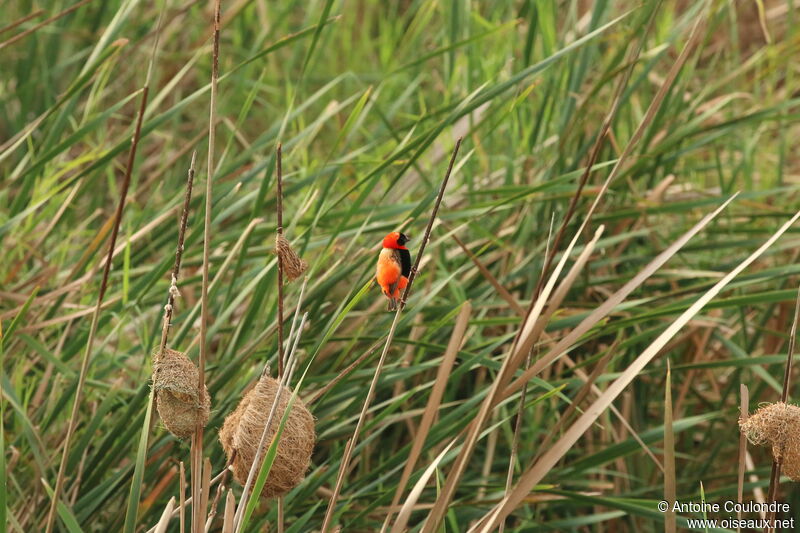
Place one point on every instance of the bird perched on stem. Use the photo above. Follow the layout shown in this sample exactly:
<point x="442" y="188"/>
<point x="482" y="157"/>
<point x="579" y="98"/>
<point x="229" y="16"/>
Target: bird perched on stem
<point x="394" y="267"/>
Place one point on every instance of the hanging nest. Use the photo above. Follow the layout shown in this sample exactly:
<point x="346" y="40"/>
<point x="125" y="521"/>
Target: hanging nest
<point x="175" y="380"/>
<point x="293" y="265"/>
<point x="241" y="433"/>
<point x="777" y="425"/>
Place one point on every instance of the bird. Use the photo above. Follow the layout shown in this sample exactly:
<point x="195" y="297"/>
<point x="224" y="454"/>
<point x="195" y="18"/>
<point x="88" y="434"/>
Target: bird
<point x="394" y="267"/>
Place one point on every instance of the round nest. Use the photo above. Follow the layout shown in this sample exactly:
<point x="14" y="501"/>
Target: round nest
<point x="241" y="433"/>
<point x="777" y="425"/>
<point x="293" y="264"/>
<point x="175" y="380"/>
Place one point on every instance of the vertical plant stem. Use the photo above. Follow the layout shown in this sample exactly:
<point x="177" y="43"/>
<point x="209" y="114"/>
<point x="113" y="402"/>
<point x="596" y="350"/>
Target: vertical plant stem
<point x="744" y="414"/>
<point x="182" y="488"/>
<point x="777" y="462"/>
<point x="670" y="491"/>
<point x="73" y="419"/>
<point x="279" y="230"/>
<point x="345" y="463"/>
<point x="512" y="460"/>
<point x="262" y="445"/>
<point x="199" y="511"/>
<point x="169" y="309"/>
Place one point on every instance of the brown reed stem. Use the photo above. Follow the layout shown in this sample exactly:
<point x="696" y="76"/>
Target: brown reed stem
<point x="22" y="20"/>
<point x="279" y="230"/>
<point x="43" y="23"/>
<point x="73" y="419"/>
<point x="777" y="462"/>
<point x="169" y="309"/>
<point x="742" y="463"/>
<point x="279" y="201"/>
<point x="344" y="373"/>
<point x="345" y="463"/>
<point x="198" y="520"/>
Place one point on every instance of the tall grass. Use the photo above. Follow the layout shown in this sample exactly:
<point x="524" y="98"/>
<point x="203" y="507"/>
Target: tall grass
<point x="634" y="155"/>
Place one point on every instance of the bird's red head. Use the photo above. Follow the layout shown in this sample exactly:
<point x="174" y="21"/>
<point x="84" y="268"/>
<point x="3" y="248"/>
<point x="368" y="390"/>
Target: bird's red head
<point x="395" y="240"/>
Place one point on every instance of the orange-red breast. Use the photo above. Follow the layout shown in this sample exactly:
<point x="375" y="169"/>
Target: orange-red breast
<point x="394" y="267"/>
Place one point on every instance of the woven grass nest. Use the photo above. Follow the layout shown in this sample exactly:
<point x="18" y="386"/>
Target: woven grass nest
<point x="242" y="431"/>
<point x="175" y="380"/>
<point x="777" y="425"/>
<point x="293" y="264"/>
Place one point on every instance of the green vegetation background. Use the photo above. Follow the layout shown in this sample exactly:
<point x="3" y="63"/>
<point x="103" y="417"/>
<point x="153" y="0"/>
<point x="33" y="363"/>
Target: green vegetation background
<point x="367" y="98"/>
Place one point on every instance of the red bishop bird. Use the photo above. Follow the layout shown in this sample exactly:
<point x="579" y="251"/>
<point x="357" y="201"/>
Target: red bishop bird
<point x="394" y="267"/>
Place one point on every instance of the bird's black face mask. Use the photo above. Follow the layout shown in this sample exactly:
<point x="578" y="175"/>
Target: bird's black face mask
<point x="402" y="239"/>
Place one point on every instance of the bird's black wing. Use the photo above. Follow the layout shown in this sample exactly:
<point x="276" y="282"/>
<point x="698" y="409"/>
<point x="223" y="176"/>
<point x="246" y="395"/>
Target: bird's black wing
<point x="405" y="261"/>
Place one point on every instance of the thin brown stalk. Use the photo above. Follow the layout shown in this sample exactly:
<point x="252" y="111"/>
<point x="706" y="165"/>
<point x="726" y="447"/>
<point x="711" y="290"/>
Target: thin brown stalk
<point x="279" y="230"/>
<point x="199" y="510"/>
<point x="501" y="291"/>
<point x="670" y="491"/>
<point x="196" y="482"/>
<point x="777" y="462"/>
<point x="169" y="309"/>
<point x="182" y="499"/>
<point x="73" y="420"/>
<point x="22" y="20"/>
<point x="744" y="408"/>
<point x="433" y="405"/>
<point x="43" y="23"/>
<point x="345" y="462"/>
<point x="279" y="202"/>
<point x="344" y="373"/>
<point x="514" y="456"/>
<point x="218" y="494"/>
<point x="262" y="445"/>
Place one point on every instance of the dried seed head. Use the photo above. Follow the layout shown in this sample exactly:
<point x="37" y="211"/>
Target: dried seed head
<point x="777" y="425"/>
<point x="242" y="431"/>
<point x="175" y="380"/>
<point x="293" y="264"/>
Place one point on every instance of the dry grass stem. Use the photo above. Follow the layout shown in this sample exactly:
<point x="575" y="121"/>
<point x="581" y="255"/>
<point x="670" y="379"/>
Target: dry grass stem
<point x="345" y="463"/>
<point x="43" y="23"/>
<point x="199" y="511"/>
<point x="281" y="263"/>
<point x="126" y="181"/>
<point x="294" y="448"/>
<point x="434" y="403"/>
